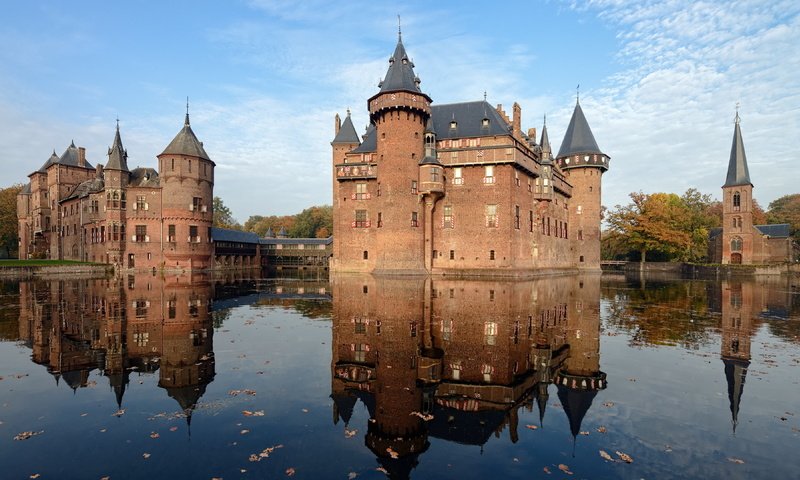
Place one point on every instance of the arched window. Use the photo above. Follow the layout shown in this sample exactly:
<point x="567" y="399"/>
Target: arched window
<point x="737" y="201"/>
<point x="736" y="244"/>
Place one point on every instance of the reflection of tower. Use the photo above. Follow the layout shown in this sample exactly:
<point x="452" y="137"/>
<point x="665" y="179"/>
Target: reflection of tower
<point x="580" y="379"/>
<point x="737" y="316"/>
<point x="187" y="357"/>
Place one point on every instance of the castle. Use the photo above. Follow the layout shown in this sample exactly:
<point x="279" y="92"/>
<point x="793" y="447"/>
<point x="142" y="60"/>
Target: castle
<point x="135" y="219"/>
<point x="739" y="241"/>
<point x="460" y="188"/>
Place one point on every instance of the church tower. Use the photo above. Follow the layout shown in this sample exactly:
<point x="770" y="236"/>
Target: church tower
<point x="737" y="205"/>
<point x="116" y="177"/>
<point x="584" y="164"/>
<point x="187" y="178"/>
<point x="399" y="112"/>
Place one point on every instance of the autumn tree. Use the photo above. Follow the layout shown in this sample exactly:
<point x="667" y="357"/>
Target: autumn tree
<point x="786" y="210"/>
<point x="9" y="235"/>
<point x="223" y="217"/>
<point x="652" y="223"/>
<point x="314" y="222"/>
<point x="259" y="224"/>
<point x="699" y="219"/>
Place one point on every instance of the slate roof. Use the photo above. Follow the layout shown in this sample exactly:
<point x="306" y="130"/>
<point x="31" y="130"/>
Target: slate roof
<point x="738" y="173"/>
<point x="295" y="241"/>
<point x="144" y="177"/>
<point x="84" y="188"/>
<point x="70" y="157"/>
<point x="370" y="143"/>
<point x="186" y="143"/>
<point x="469" y="118"/>
<point x="26" y="190"/>
<point x="579" y="138"/>
<point x="53" y="159"/>
<point x="576" y="403"/>
<point x="400" y="76"/>
<point x="117" y="155"/>
<point x="347" y="133"/>
<point x="778" y="230"/>
<point x="227" y="235"/>
<point x="714" y="232"/>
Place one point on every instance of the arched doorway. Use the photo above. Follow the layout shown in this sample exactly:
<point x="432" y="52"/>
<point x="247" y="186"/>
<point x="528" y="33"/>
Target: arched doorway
<point x="736" y="258"/>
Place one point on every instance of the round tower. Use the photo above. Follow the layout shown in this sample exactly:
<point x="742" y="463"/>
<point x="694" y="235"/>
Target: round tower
<point x="583" y="164"/>
<point x="187" y="180"/>
<point x="400" y="111"/>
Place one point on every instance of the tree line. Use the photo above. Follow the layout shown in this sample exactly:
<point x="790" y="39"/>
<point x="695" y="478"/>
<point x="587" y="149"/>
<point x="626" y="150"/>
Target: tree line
<point x="313" y="222"/>
<point x="670" y="227"/>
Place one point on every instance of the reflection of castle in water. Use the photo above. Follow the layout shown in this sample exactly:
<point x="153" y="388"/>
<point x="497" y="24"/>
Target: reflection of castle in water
<point x="144" y="324"/>
<point x="470" y="353"/>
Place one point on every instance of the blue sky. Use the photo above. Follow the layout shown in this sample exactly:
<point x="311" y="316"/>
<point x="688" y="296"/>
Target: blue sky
<point x="659" y="83"/>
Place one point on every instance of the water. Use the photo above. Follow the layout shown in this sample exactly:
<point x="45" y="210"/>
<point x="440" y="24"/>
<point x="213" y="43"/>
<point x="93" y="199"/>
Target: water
<point x="188" y="377"/>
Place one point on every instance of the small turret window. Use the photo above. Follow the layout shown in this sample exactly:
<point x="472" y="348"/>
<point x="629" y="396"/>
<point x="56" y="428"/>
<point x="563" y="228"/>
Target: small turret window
<point x="737" y="201"/>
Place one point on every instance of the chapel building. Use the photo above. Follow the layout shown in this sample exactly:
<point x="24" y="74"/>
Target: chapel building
<point x="460" y="188"/>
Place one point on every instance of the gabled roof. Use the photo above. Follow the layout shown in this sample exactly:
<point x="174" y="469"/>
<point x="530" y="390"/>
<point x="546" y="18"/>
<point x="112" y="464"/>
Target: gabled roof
<point x="228" y="235"/>
<point x="469" y="120"/>
<point x="738" y="173"/>
<point x="400" y="76"/>
<point x="144" y="177"/>
<point x="579" y="138"/>
<point x="84" y="188"/>
<point x="53" y="159"/>
<point x="70" y="158"/>
<point x="186" y="143"/>
<point x="347" y="132"/>
<point x="117" y="155"/>
<point x="370" y="143"/>
<point x="26" y="189"/>
<point x="778" y="230"/>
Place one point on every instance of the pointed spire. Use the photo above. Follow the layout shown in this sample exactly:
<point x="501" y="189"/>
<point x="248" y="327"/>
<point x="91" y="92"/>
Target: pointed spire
<point x="117" y="155"/>
<point x="347" y="132"/>
<point x="186" y="121"/>
<point x="545" y="143"/>
<point x="735" y="375"/>
<point x="738" y="173"/>
<point x="185" y="142"/>
<point x="400" y="76"/>
<point x="579" y="138"/>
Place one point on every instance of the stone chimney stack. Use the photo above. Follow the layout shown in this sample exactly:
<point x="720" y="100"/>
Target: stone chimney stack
<point x="99" y="170"/>
<point x="337" y="125"/>
<point x="81" y="156"/>
<point x="532" y="134"/>
<point x="517" y="125"/>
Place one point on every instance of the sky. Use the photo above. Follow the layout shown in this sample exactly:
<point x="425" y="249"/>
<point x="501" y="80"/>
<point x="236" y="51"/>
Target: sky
<point x="659" y="84"/>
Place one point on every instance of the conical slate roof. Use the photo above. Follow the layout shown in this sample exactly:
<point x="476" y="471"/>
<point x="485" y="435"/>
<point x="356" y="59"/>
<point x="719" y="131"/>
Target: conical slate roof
<point x="576" y="403"/>
<point x="71" y="157"/>
<point x="186" y="143"/>
<point x="400" y="75"/>
<point x="738" y="173"/>
<point x="579" y="138"/>
<point x="547" y="152"/>
<point x="53" y="159"/>
<point x="117" y="155"/>
<point x="347" y="132"/>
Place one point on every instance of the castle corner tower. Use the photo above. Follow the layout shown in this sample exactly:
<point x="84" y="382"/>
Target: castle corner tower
<point x="584" y="164"/>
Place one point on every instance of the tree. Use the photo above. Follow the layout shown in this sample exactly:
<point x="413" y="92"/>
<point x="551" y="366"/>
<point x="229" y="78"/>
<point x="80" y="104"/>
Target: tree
<point x="652" y="223"/>
<point x="9" y="225"/>
<point x="700" y="219"/>
<point x="313" y="222"/>
<point x="223" y="217"/>
<point x="786" y="210"/>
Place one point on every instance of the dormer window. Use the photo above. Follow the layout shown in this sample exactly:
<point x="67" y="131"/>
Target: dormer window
<point x="485" y="122"/>
<point x="453" y="125"/>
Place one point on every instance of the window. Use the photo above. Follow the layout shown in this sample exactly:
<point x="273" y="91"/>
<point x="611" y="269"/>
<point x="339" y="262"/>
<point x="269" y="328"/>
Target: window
<point x="488" y="174"/>
<point x="141" y="234"/>
<point x="491" y="216"/>
<point x="458" y="178"/>
<point x="489" y="333"/>
<point x="491" y="257"/>
<point x="516" y="217"/>
<point x="548" y="226"/>
<point x="581" y="259"/>
<point x="452" y="255"/>
<point x="736" y="244"/>
<point x="197" y="202"/>
<point x="447" y="329"/>
<point x="171" y="233"/>
<point x="580" y="234"/>
<point x="530" y="220"/>
<point x="193" y="234"/>
<point x="361" y="219"/>
<point x="414" y="219"/>
<point x="366" y="255"/>
<point x="516" y="178"/>
<point x="435" y="174"/>
<point x="737" y="201"/>
<point x="190" y="166"/>
<point x="141" y="203"/>
<point x="380" y="219"/>
<point x="447" y="221"/>
<point x="580" y="210"/>
<point x="361" y="191"/>
<point x="414" y="187"/>
<point x="378" y="193"/>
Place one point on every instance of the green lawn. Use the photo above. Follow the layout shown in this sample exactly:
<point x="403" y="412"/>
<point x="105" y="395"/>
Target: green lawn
<point x="39" y="263"/>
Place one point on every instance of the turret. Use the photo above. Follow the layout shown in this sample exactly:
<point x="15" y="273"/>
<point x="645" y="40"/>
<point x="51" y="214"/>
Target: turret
<point x="431" y="172"/>
<point x="116" y="177"/>
<point x="583" y="164"/>
<point x="543" y="188"/>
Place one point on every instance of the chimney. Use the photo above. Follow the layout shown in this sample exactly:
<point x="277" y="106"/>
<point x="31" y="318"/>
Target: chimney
<point x="99" y="170"/>
<point x="337" y="124"/>
<point x="517" y="120"/>
<point x="81" y="157"/>
<point x="532" y="134"/>
<point x="502" y="112"/>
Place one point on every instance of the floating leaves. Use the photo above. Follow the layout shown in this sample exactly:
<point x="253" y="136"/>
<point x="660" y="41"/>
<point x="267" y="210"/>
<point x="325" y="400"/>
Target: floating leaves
<point x="608" y="404"/>
<point x="118" y="413"/>
<point x="245" y="391"/>
<point x="145" y="456"/>
<point x="257" y="457"/>
<point x="546" y="470"/>
<point x="154" y="435"/>
<point x="392" y="453"/>
<point x="606" y="456"/>
<point x="601" y="429"/>
<point x="423" y="416"/>
<point x="257" y="413"/>
<point x="564" y="468"/>
<point x="290" y="472"/>
<point x="531" y="427"/>
<point x="350" y="433"/>
<point x="624" y="457"/>
<point x="351" y="475"/>
<point x="26" y="435"/>
<point x="244" y="431"/>
<point x="738" y="461"/>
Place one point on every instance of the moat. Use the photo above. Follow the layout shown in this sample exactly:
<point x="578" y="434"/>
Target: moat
<point x="375" y="377"/>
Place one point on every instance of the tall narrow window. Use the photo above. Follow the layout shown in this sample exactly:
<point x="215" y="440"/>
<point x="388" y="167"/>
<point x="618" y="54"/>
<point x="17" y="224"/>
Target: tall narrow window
<point x="736" y="244"/>
<point x="488" y="174"/>
<point x="361" y="219"/>
<point x="435" y="174"/>
<point x="414" y="187"/>
<point x="491" y="216"/>
<point x="361" y="191"/>
<point x="171" y="233"/>
<point x="737" y="201"/>
<point x="193" y="234"/>
<point x="458" y="178"/>
<point x="414" y="219"/>
<point x="516" y="217"/>
<point x="448" y="216"/>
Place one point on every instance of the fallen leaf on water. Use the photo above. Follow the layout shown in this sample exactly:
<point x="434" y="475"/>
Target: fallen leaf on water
<point x="382" y="470"/>
<point x="351" y="475"/>
<point x="84" y="414"/>
<point x="546" y="470"/>
<point x="515" y="459"/>
<point x="154" y="435"/>
<point x="105" y="478"/>
<point x="257" y="413"/>
<point x="305" y="410"/>
<point x="427" y="418"/>
<point x="172" y="429"/>
<point x="584" y="433"/>
<point x="601" y="429"/>
<point x="735" y="460"/>
<point x="36" y="475"/>
<point x="350" y="433"/>
<point x="118" y="413"/>
<point x="624" y="457"/>
<point x="392" y="453"/>
<point x="145" y="455"/>
<point x="606" y="456"/>
<point x="27" y="435"/>
<point x="532" y="427"/>
<point x="290" y="472"/>
<point x="244" y="431"/>
<point x="608" y="404"/>
<point x="102" y="430"/>
<point x="564" y="468"/>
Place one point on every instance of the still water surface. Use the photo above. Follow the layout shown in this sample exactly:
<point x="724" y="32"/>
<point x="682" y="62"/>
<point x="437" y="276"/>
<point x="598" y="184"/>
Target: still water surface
<point x="365" y="377"/>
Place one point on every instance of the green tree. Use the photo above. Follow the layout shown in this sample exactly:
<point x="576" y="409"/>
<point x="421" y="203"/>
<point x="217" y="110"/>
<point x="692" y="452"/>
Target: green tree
<point x="9" y="226"/>
<point x="699" y="220"/>
<point x="223" y="217"/>
<point x="314" y="222"/>
<point x="786" y="210"/>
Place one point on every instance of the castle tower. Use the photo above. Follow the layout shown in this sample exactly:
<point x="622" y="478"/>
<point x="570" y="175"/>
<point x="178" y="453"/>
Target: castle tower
<point x="546" y="187"/>
<point x="116" y="177"/>
<point x="399" y="112"/>
<point x="187" y="175"/>
<point x="431" y="176"/>
<point x="345" y="139"/>
<point x="584" y="164"/>
<point x="737" y="205"/>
